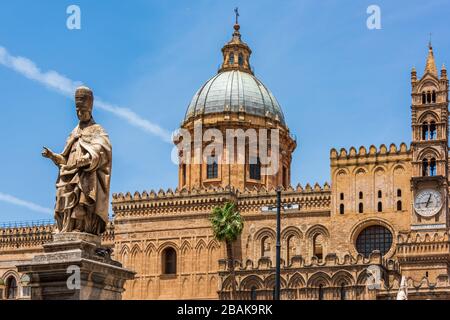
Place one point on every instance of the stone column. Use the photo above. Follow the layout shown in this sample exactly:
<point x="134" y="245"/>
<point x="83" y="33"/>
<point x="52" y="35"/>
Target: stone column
<point x="75" y="267"/>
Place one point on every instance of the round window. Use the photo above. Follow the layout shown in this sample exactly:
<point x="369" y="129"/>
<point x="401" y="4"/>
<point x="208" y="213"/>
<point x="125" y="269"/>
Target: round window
<point x="374" y="238"/>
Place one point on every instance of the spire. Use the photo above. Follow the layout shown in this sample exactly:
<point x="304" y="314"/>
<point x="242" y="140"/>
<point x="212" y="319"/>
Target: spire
<point x="236" y="53"/>
<point x="431" y="64"/>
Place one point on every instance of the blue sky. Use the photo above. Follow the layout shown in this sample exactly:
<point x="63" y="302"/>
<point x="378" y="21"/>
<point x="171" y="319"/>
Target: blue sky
<point x="339" y="83"/>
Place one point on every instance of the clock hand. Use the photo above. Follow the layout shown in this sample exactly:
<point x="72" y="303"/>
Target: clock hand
<point x="428" y="201"/>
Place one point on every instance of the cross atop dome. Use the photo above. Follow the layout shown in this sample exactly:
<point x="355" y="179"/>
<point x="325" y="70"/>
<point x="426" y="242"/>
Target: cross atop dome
<point x="236" y="53"/>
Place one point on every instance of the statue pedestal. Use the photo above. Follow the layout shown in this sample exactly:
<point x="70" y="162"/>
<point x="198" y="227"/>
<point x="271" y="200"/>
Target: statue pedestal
<point x="75" y="267"/>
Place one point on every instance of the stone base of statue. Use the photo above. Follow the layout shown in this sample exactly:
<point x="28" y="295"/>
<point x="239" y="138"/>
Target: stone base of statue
<point x="75" y="267"/>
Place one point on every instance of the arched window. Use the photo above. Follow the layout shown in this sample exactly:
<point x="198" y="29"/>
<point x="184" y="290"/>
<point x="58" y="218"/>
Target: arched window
<point x="169" y="261"/>
<point x="425" y="131"/>
<point x="265" y="247"/>
<point x="255" y="169"/>
<point x="432" y="130"/>
<point x="342" y="196"/>
<point x="343" y="291"/>
<point x="231" y="58"/>
<point x="11" y="288"/>
<point x="374" y="238"/>
<point x="424" y="98"/>
<point x="318" y="246"/>
<point x="425" y="167"/>
<point x="321" y="292"/>
<point x="361" y="208"/>
<point x="399" y="205"/>
<point x="253" y="294"/>
<point x="285" y="177"/>
<point x="183" y="171"/>
<point x="433" y="96"/>
<point x="212" y="170"/>
<point x="399" y="192"/>
<point x="241" y="60"/>
<point x="360" y="195"/>
<point x="428" y="97"/>
<point x="341" y="208"/>
<point x="380" y="194"/>
<point x="433" y="167"/>
<point x="380" y="206"/>
<point x="290" y="248"/>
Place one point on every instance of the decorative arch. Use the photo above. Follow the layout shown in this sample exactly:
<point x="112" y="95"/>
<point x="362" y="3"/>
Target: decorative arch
<point x="167" y="244"/>
<point x="200" y="243"/>
<point x="269" y="282"/>
<point x="213" y="255"/>
<point x="318" y="228"/>
<point x="379" y="168"/>
<point x="428" y="116"/>
<point x="227" y="284"/>
<point x="428" y="84"/>
<point x="186" y="256"/>
<point x="265" y="232"/>
<point x="428" y="153"/>
<point x="359" y="170"/>
<point x="201" y="256"/>
<point x="342" y="172"/>
<point x="398" y="169"/>
<point x="296" y="281"/>
<point x="341" y="277"/>
<point x="319" y="278"/>
<point x="251" y="281"/>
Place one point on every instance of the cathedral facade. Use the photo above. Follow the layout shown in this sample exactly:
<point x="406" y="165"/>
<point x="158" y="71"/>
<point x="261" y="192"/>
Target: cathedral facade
<point x="383" y="217"/>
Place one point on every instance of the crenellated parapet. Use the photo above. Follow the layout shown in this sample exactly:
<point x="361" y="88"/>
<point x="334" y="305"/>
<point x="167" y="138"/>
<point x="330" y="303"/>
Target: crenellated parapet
<point x="373" y="154"/>
<point x="170" y="202"/>
<point x="25" y="237"/>
<point x="201" y="201"/>
<point x="310" y="198"/>
<point x="33" y="237"/>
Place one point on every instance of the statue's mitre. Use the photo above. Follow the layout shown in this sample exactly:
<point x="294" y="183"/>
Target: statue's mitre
<point x="83" y="90"/>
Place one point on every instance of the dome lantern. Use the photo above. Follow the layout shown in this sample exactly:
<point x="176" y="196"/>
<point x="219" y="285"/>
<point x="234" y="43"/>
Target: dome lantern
<point x="236" y="53"/>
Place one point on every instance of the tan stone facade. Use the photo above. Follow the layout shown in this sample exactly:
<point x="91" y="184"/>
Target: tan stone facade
<point x="367" y="219"/>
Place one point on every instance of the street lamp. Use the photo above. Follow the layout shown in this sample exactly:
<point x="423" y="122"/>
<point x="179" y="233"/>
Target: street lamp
<point x="277" y="208"/>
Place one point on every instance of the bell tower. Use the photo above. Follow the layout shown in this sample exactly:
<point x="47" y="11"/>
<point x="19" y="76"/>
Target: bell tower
<point x="429" y="146"/>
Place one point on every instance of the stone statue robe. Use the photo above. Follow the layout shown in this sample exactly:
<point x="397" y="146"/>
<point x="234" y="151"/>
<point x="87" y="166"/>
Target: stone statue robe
<point x="82" y="197"/>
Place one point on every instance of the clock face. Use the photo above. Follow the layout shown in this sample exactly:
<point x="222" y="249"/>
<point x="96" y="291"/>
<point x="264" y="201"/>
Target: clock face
<point x="428" y="203"/>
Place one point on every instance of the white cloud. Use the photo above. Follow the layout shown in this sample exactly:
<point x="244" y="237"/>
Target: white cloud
<point x="19" y="202"/>
<point x="66" y="87"/>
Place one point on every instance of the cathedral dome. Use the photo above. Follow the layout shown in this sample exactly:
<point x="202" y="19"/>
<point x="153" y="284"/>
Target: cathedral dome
<point x="235" y="91"/>
<point x="235" y="88"/>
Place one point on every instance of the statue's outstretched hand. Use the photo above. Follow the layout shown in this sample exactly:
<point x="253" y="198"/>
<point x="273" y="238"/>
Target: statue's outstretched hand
<point x="56" y="158"/>
<point x="47" y="153"/>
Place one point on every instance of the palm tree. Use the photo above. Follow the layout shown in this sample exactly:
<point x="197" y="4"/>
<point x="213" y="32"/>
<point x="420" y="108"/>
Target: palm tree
<point x="227" y="225"/>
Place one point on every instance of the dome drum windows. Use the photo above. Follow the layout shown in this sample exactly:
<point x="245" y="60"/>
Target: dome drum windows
<point x="255" y="169"/>
<point x="212" y="168"/>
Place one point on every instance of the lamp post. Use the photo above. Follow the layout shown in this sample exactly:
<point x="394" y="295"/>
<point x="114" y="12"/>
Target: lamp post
<point x="278" y="208"/>
<point x="278" y="254"/>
